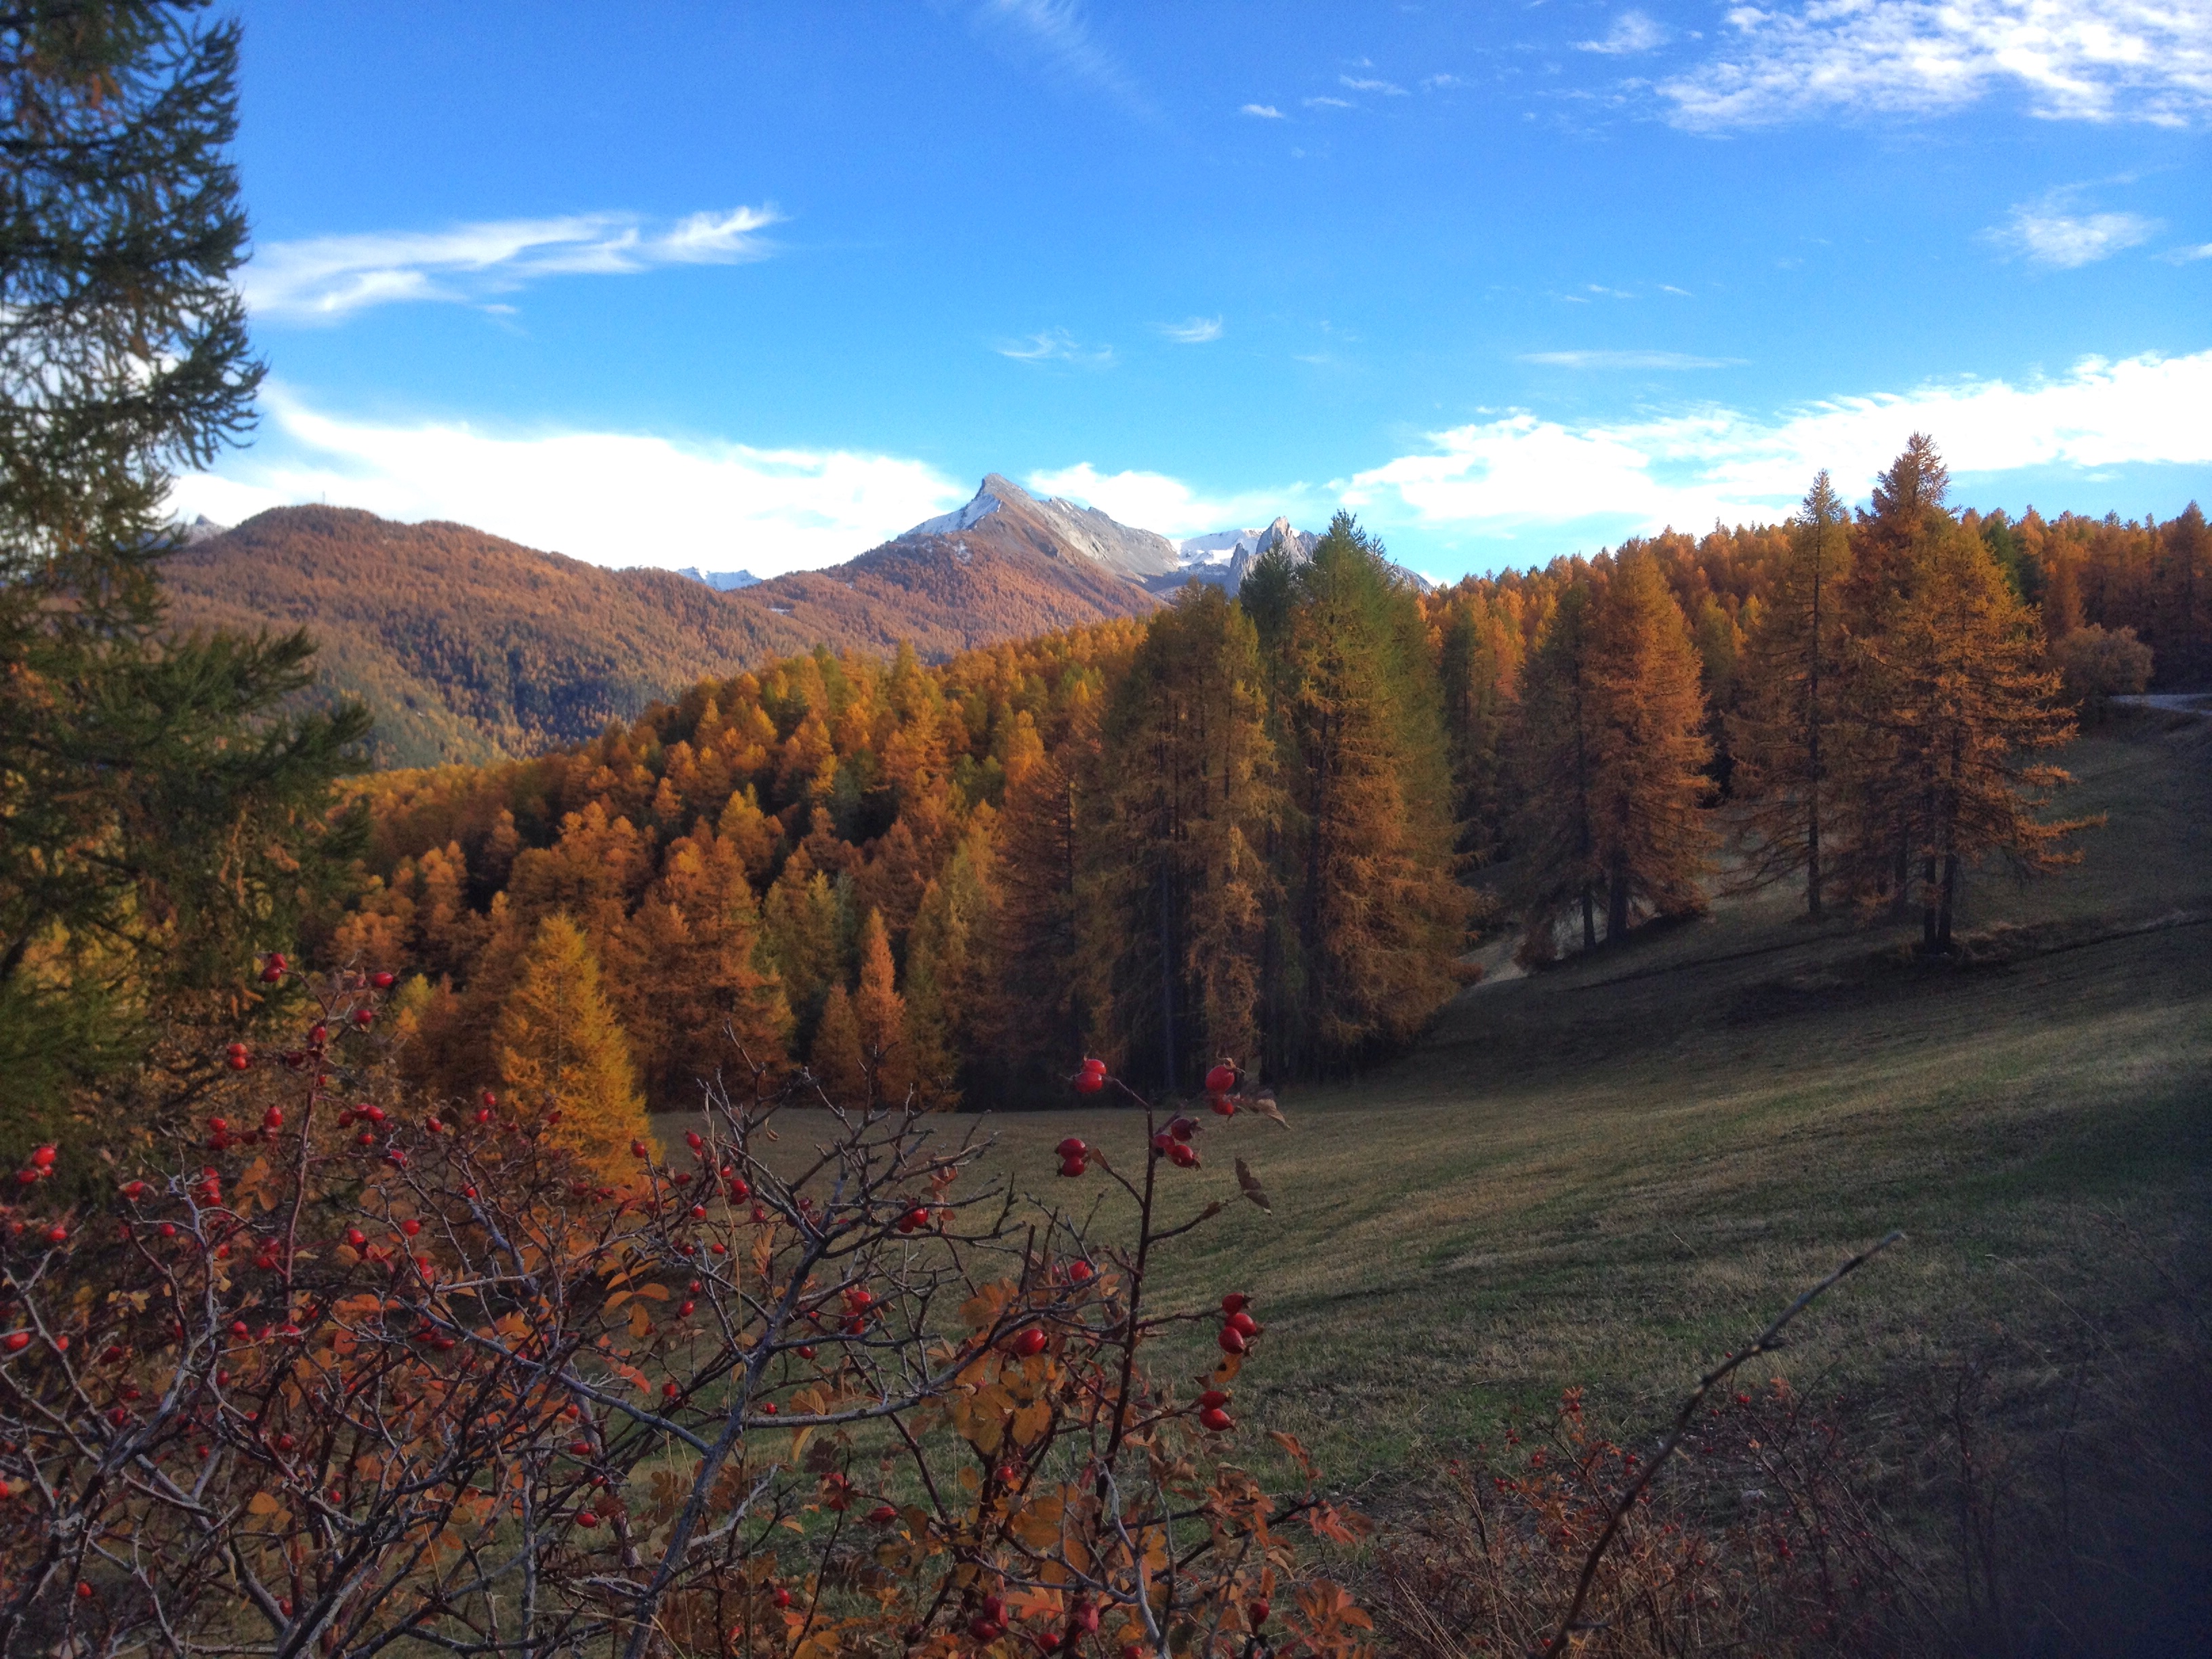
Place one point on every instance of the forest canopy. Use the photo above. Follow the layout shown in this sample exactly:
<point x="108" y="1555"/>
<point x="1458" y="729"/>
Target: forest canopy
<point x="1259" y="829"/>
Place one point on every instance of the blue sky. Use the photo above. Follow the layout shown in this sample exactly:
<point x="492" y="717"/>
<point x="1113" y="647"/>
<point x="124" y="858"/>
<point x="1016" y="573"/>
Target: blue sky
<point x="760" y="286"/>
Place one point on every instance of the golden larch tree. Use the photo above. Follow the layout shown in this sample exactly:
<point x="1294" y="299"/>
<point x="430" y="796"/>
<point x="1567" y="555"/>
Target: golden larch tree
<point x="1648" y="750"/>
<point x="1969" y="699"/>
<point x="879" y="1015"/>
<point x="563" y="1059"/>
<point x="1788" y="735"/>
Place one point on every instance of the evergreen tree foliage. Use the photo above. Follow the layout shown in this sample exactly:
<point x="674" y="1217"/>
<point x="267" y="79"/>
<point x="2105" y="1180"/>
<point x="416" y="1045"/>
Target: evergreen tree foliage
<point x="1374" y="914"/>
<point x="1176" y="875"/>
<point x="804" y="932"/>
<point x="687" y="973"/>
<point x="159" y="821"/>
<point x="838" y="1063"/>
<point x="946" y="958"/>
<point x="1480" y="655"/>
<point x="1554" y="764"/>
<point x="1036" y="1015"/>
<point x="563" y="1060"/>
<point x="1788" y="738"/>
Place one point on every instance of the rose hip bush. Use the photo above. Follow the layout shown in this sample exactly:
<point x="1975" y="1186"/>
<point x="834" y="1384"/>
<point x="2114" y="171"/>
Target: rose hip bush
<point x="355" y="1373"/>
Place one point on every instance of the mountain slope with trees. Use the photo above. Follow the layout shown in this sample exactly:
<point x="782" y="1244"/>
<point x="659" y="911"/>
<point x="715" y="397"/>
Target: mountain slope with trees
<point x="466" y="647"/>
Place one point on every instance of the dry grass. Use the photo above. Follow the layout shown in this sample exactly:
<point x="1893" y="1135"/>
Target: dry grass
<point x="1607" y="1174"/>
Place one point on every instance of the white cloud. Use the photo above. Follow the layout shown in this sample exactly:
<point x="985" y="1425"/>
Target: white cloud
<point x="1387" y="88"/>
<point x="1444" y="83"/>
<point x="1330" y="103"/>
<point x="1265" y="111"/>
<point x="1153" y="501"/>
<point x="326" y="278"/>
<point x="1057" y="33"/>
<point x="2096" y="60"/>
<point x="1690" y="468"/>
<point x="1625" y="360"/>
<point x="1055" y="345"/>
<point x="1632" y="32"/>
<point x="1194" y="331"/>
<point x="2183" y="256"/>
<point x="2049" y="237"/>
<point x="612" y="498"/>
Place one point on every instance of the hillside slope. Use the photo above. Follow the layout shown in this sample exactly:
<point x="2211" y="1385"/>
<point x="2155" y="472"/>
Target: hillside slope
<point x="466" y="647"/>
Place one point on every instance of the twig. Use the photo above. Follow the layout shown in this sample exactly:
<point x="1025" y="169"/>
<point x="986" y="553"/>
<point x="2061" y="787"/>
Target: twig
<point x="1767" y="1341"/>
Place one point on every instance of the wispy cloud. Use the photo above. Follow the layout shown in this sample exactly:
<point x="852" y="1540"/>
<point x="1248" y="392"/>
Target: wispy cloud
<point x="326" y="278"/>
<point x="1357" y="83"/>
<point x="1444" y="83"/>
<point x="1265" y="111"/>
<point x="1330" y="103"/>
<point x="1625" y="360"/>
<point x="1632" y="32"/>
<point x="1193" y="331"/>
<point x="1055" y="345"/>
<point x="2095" y="60"/>
<point x="2047" y="235"/>
<point x="1057" y="34"/>
<point x="1154" y="501"/>
<point x="1668" y="288"/>
<point x="1521" y="469"/>
<point x="2183" y="256"/>
<point x="614" y="498"/>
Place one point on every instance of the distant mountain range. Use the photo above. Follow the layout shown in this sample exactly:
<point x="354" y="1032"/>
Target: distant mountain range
<point x="466" y="647"/>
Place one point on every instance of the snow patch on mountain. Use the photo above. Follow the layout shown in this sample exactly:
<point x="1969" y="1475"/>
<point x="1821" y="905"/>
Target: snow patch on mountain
<point x="967" y="518"/>
<point x="722" y="581"/>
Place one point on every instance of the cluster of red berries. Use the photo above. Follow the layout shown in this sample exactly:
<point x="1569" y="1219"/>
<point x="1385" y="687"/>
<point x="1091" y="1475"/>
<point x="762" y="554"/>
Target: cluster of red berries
<point x="1222" y="1084"/>
<point x="989" y="1623"/>
<point x="1213" y="1411"/>
<point x="1074" y="1157"/>
<point x="41" y="1166"/>
<point x="1092" y="1078"/>
<point x="1173" y="1142"/>
<point x="1238" y="1329"/>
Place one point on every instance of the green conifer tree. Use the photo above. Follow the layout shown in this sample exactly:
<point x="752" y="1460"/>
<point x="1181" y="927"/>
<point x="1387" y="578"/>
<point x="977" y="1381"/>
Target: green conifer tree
<point x="159" y="818"/>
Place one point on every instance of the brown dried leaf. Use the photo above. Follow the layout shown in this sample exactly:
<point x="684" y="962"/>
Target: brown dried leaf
<point x="1253" y="1189"/>
<point x="1264" y="1104"/>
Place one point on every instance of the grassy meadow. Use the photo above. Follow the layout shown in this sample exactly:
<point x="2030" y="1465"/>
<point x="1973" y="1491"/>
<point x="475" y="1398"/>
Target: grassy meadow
<point x="1607" y="1173"/>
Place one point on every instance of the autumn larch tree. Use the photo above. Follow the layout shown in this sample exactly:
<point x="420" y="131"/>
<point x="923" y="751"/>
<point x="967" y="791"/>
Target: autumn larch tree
<point x="879" y="1015"/>
<point x="562" y="1051"/>
<point x="1787" y="736"/>
<point x="1888" y="544"/>
<point x="1648" y="750"/>
<point x="1969" y="698"/>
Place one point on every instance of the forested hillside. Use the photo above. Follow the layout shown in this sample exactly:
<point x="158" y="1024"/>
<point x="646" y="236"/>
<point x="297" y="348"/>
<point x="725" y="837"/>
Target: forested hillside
<point x="466" y="647"/>
<point x="1257" y="830"/>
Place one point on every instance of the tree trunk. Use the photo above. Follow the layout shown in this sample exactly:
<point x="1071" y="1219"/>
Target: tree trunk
<point x="1949" y="901"/>
<point x="1167" y="979"/>
<point x="1589" y="916"/>
<point x="1616" y="902"/>
<point x="1813" y="862"/>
